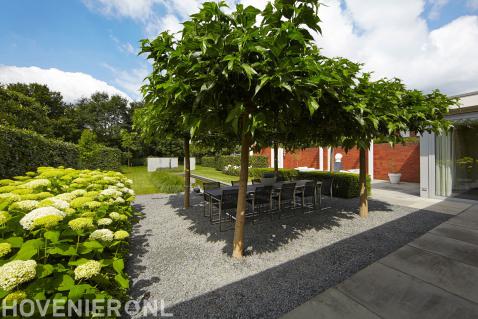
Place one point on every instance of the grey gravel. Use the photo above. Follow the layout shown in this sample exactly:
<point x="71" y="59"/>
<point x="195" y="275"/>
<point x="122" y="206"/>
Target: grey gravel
<point x="177" y="256"/>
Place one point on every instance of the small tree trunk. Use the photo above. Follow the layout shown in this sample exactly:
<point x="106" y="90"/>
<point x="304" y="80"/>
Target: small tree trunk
<point x="331" y="160"/>
<point x="238" y="244"/>
<point x="187" y="173"/>
<point x="276" y="158"/>
<point x="363" y="183"/>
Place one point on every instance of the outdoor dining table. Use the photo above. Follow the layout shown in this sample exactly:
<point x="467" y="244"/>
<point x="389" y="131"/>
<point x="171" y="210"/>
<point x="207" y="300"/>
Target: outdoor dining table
<point x="217" y="192"/>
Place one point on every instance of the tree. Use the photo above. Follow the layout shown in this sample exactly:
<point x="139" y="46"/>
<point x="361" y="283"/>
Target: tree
<point x="130" y="143"/>
<point x="21" y="111"/>
<point x="385" y="108"/>
<point x="245" y="76"/>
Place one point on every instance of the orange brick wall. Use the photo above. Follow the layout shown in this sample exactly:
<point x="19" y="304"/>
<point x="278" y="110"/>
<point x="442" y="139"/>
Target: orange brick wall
<point x="404" y="158"/>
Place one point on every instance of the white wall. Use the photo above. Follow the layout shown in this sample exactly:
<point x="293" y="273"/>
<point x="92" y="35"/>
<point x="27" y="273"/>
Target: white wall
<point x="161" y="162"/>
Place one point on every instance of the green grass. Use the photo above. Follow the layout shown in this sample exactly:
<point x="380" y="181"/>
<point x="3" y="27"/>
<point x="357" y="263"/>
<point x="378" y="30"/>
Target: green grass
<point x="163" y="181"/>
<point x="212" y="173"/>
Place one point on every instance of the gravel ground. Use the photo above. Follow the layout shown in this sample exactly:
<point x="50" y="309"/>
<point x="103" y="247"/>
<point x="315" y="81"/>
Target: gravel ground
<point x="177" y="256"/>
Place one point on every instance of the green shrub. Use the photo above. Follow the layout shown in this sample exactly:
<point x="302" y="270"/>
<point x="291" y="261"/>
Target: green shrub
<point x="97" y="156"/>
<point x="22" y="151"/>
<point x="284" y="173"/>
<point x="78" y="219"/>
<point x="255" y="161"/>
<point x="168" y="181"/>
<point x="208" y="161"/>
<point x="346" y="185"/>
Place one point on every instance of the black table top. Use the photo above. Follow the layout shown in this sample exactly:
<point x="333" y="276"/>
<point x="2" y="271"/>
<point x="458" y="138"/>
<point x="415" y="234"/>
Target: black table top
<point x="217" y="192"/>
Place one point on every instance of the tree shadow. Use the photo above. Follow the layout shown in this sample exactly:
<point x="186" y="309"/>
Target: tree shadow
<point x="268" y="235"/>
<point x="138" y="248"/>
<point x="278" y="290"/>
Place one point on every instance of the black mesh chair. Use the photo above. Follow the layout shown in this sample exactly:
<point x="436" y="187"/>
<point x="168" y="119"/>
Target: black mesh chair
<point x="309" y="192"/>
<point x="286" y="198"/>
<point x="261" y="201"/>
<point x="207" y="199"/>
<point x="328" y="187"/>
<point x="227" y="206"/>
<point x="235" y="183"/>
<point x="256" y="181"/>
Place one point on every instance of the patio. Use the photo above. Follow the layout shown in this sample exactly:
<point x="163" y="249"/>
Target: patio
<point x="178" y="256"/>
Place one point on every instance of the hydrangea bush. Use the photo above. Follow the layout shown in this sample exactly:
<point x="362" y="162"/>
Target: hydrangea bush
<point x="63" y="234"/>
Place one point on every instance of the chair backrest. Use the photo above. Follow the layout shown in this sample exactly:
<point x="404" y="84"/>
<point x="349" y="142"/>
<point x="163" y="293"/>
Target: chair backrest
<point x="309" y="188"/>
<point x="262" y="195"/>
<point x="256" y="181"/>
<point x="235" y="183"/>
<point x="211" y="185"/>
<point x="268" y="175"/>
<point x="287" y="191"/>
<point x="327" y="185"/>
<point x="229" y="198"/>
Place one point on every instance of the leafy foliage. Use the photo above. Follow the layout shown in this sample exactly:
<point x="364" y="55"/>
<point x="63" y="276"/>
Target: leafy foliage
<point x="93" y="217"/>
<point x="22" y="151"/>
<point x="345" y="185"/>
<point x="97" y="156"/>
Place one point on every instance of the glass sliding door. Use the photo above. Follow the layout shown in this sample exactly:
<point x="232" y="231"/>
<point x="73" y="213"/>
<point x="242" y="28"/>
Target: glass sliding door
<point x="456" y="162"/>
<point x="444" y="164"/>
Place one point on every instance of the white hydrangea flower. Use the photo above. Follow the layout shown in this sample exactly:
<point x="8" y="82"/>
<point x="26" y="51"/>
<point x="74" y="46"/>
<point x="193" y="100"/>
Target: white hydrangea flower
<point x="121" y="235"/>
<point x="110" y="192"/>
<point x="128" y="182"/>
<point x="102" y="235"/>
<point x="119" y="200"/>
<point x="28" y="220"/>
<point x="35" y="183"/>
<point x="79" y="192"/>
<point x="129" y="191"/>
<point x="120" y="185"/>
<point x="87" y="270"/>
<point x="17" y="272"/>
<point x="104" y="221"/>
<point x="4" y="217"/>
<point x="67" y="197"/>
<point x="5" y="249"/>
<point x="115" y="216"/>
<point x="55" y="202"/>
<point x="24" y="205"/>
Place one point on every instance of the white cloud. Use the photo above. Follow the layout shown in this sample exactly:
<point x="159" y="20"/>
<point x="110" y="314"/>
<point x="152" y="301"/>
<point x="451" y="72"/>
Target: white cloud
<point x="72" y="85"/>
<point x="136" y="9"/>
<point x="129" y="80"/>
<point x="436" y="7"/>
<point x="392" y="39"/>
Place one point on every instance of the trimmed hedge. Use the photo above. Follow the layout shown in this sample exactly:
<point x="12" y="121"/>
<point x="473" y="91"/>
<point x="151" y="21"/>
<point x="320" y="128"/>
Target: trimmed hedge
<point x="101" y="157"/>
<point x="208" y="161"/>
<point x="284" y="173"/>
<point x="22" y="151"/>
<point x="255" y="161"/>
<point x="346" y="185"/>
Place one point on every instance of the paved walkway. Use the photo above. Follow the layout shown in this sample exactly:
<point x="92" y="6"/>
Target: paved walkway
<point x="434" y="276"/>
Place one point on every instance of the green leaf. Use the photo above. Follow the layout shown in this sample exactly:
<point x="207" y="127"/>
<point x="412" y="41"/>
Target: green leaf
<point x="249" y="70"/>
<point x="63" y="249"/>
<point x="52" y="236"/>
<point x="16" y="242"/>
<point x="312" y="105"/>
<point x="66" y="284"/>
<point x="118" y="265"/>
<point x="122" y="281"/>
<point x="44" y="270"/>
<point x="29" y="249"/>
<point x="78" y="291"/>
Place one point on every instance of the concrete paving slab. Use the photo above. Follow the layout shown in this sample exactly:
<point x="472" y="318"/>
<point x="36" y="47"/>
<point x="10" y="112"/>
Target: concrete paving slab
<point x="448" y="247"/>
<point x="450" y="230"/>
<point x="393" y="294"/>
<point x="330" y="304"/>
<point x="456" y="277"/>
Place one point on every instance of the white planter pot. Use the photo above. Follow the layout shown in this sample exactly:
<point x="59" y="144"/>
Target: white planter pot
<point x="394" y="177"/>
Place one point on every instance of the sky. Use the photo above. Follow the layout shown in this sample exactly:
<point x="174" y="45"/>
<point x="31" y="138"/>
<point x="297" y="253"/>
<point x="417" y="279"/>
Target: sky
<point x="79" y="47"/>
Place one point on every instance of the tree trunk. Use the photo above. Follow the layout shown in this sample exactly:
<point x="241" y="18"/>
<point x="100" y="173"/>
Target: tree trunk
<point x="187" y="173"/>
<point x="276" y="158"/>
<point x="331" y="160"/>
<point x="363" y="183"/>
<point x="238" y="244"/>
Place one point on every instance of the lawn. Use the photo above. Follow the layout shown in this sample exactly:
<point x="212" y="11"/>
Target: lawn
<point x="212" y="173"/>
<point x="162" y="181"/>
<point x="142" y="182"/>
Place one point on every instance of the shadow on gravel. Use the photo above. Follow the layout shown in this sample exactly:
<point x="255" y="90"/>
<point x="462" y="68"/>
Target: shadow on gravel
<point x="139" y="247"/>
<point x="278" y="290"/>
<point x="269" y="235"/>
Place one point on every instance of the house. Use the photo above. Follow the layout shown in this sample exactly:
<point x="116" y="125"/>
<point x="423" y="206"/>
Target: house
<point x="449" y="163"/>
